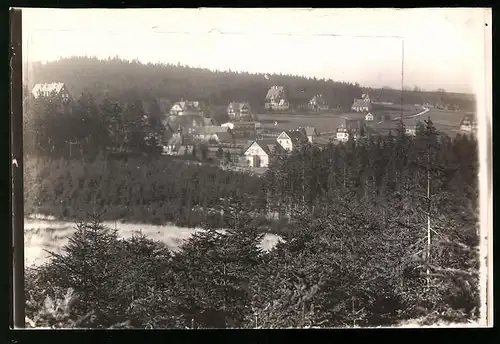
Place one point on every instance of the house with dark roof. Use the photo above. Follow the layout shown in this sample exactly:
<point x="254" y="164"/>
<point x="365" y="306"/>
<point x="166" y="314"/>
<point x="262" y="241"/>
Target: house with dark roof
<point x="469" y="123"/>
<point x="363" y="104"/>
<point x="318" y="103"/>
<point x="54" y="89"/>
<point x="310" y="133"/>
<point x="276" y="99"/>
<point x="292" y="139"/>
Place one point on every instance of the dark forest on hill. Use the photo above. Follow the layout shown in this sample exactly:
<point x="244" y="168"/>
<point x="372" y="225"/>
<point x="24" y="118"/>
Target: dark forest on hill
<point x="121" y="80"/>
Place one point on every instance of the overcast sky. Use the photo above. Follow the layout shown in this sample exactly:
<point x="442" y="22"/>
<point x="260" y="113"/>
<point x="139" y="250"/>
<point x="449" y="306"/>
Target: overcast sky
<point x="443" y="48"/>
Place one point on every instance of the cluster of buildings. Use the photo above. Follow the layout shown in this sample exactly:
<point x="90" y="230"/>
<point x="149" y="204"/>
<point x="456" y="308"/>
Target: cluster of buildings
<point x="358" y="128"/>
<point x="363" y="104"/>
<point x="187" y="125"/>
<point x="258" y="152"/>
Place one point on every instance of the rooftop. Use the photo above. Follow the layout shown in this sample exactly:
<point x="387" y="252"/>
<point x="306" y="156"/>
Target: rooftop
<point x="47" y="88"/>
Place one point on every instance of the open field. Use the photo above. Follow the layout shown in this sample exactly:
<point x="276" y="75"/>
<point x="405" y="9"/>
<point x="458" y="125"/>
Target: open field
<point x="446" y="121"/>
<point x="327" y="122"/>
<point x="42" y="233"/>
<point x="323" y="123"/>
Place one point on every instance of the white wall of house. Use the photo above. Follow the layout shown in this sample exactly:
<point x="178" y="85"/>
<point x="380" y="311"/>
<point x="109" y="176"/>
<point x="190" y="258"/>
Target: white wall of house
<point x="369" y="117"/>
<point x="285" y="142"/>
<point x="255" y="156"/>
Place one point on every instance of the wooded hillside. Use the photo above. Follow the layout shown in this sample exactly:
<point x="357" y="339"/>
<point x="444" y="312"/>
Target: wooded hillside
<point x="122" y="80"/>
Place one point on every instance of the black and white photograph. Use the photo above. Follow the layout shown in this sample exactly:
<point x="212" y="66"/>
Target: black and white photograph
<point x="264" y="168"/>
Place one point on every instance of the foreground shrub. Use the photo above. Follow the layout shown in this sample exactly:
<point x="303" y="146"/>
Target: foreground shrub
<point x="107" y="273"/>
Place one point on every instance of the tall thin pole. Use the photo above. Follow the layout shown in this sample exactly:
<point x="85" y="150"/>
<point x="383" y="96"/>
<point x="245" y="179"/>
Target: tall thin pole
<point x="428" y="208"/>
<point x="17" y="201"/>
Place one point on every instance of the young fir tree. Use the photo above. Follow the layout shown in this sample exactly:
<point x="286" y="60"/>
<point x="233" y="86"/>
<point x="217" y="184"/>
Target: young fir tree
<point x="90" y="265"/>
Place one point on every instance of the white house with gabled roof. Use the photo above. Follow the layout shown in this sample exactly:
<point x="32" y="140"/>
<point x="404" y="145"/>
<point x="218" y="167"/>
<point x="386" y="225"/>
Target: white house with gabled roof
<point x="57" y="89"/>
<point x="291" y="139"/>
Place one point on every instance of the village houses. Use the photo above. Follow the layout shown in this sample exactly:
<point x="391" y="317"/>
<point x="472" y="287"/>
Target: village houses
<point x="292" y="139"/>
<point x="276" y="99"/>
<point x="310" y="133"/>
<point x="56" y="89"/>
<point x="239" y="111"/>
<point x="363" y="104"/>
<point x="318" y="103"/>
<point x="356" y="128"/>
<point x="258" y="153"/>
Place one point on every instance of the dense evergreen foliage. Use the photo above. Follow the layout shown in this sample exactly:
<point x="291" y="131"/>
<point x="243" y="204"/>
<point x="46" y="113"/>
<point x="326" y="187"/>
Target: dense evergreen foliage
<point x="163" y="190"/>
<point x="86" y="128"/>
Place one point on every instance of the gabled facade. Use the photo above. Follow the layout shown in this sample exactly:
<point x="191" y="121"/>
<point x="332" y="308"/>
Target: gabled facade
<point x="318" y="103"/>
<point x="56" y="89"/>
<point x="276" y="99"/>
<point x="258" y="152"/>
<point x="369" y="117"/>
<point x="257" y="155"/>
<point x="310" y="133"/>
<point x="239" y="111"/>
<point x="363" y="104"/>
<point x="292" y="139"/>
<point x="469" y="123"/>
